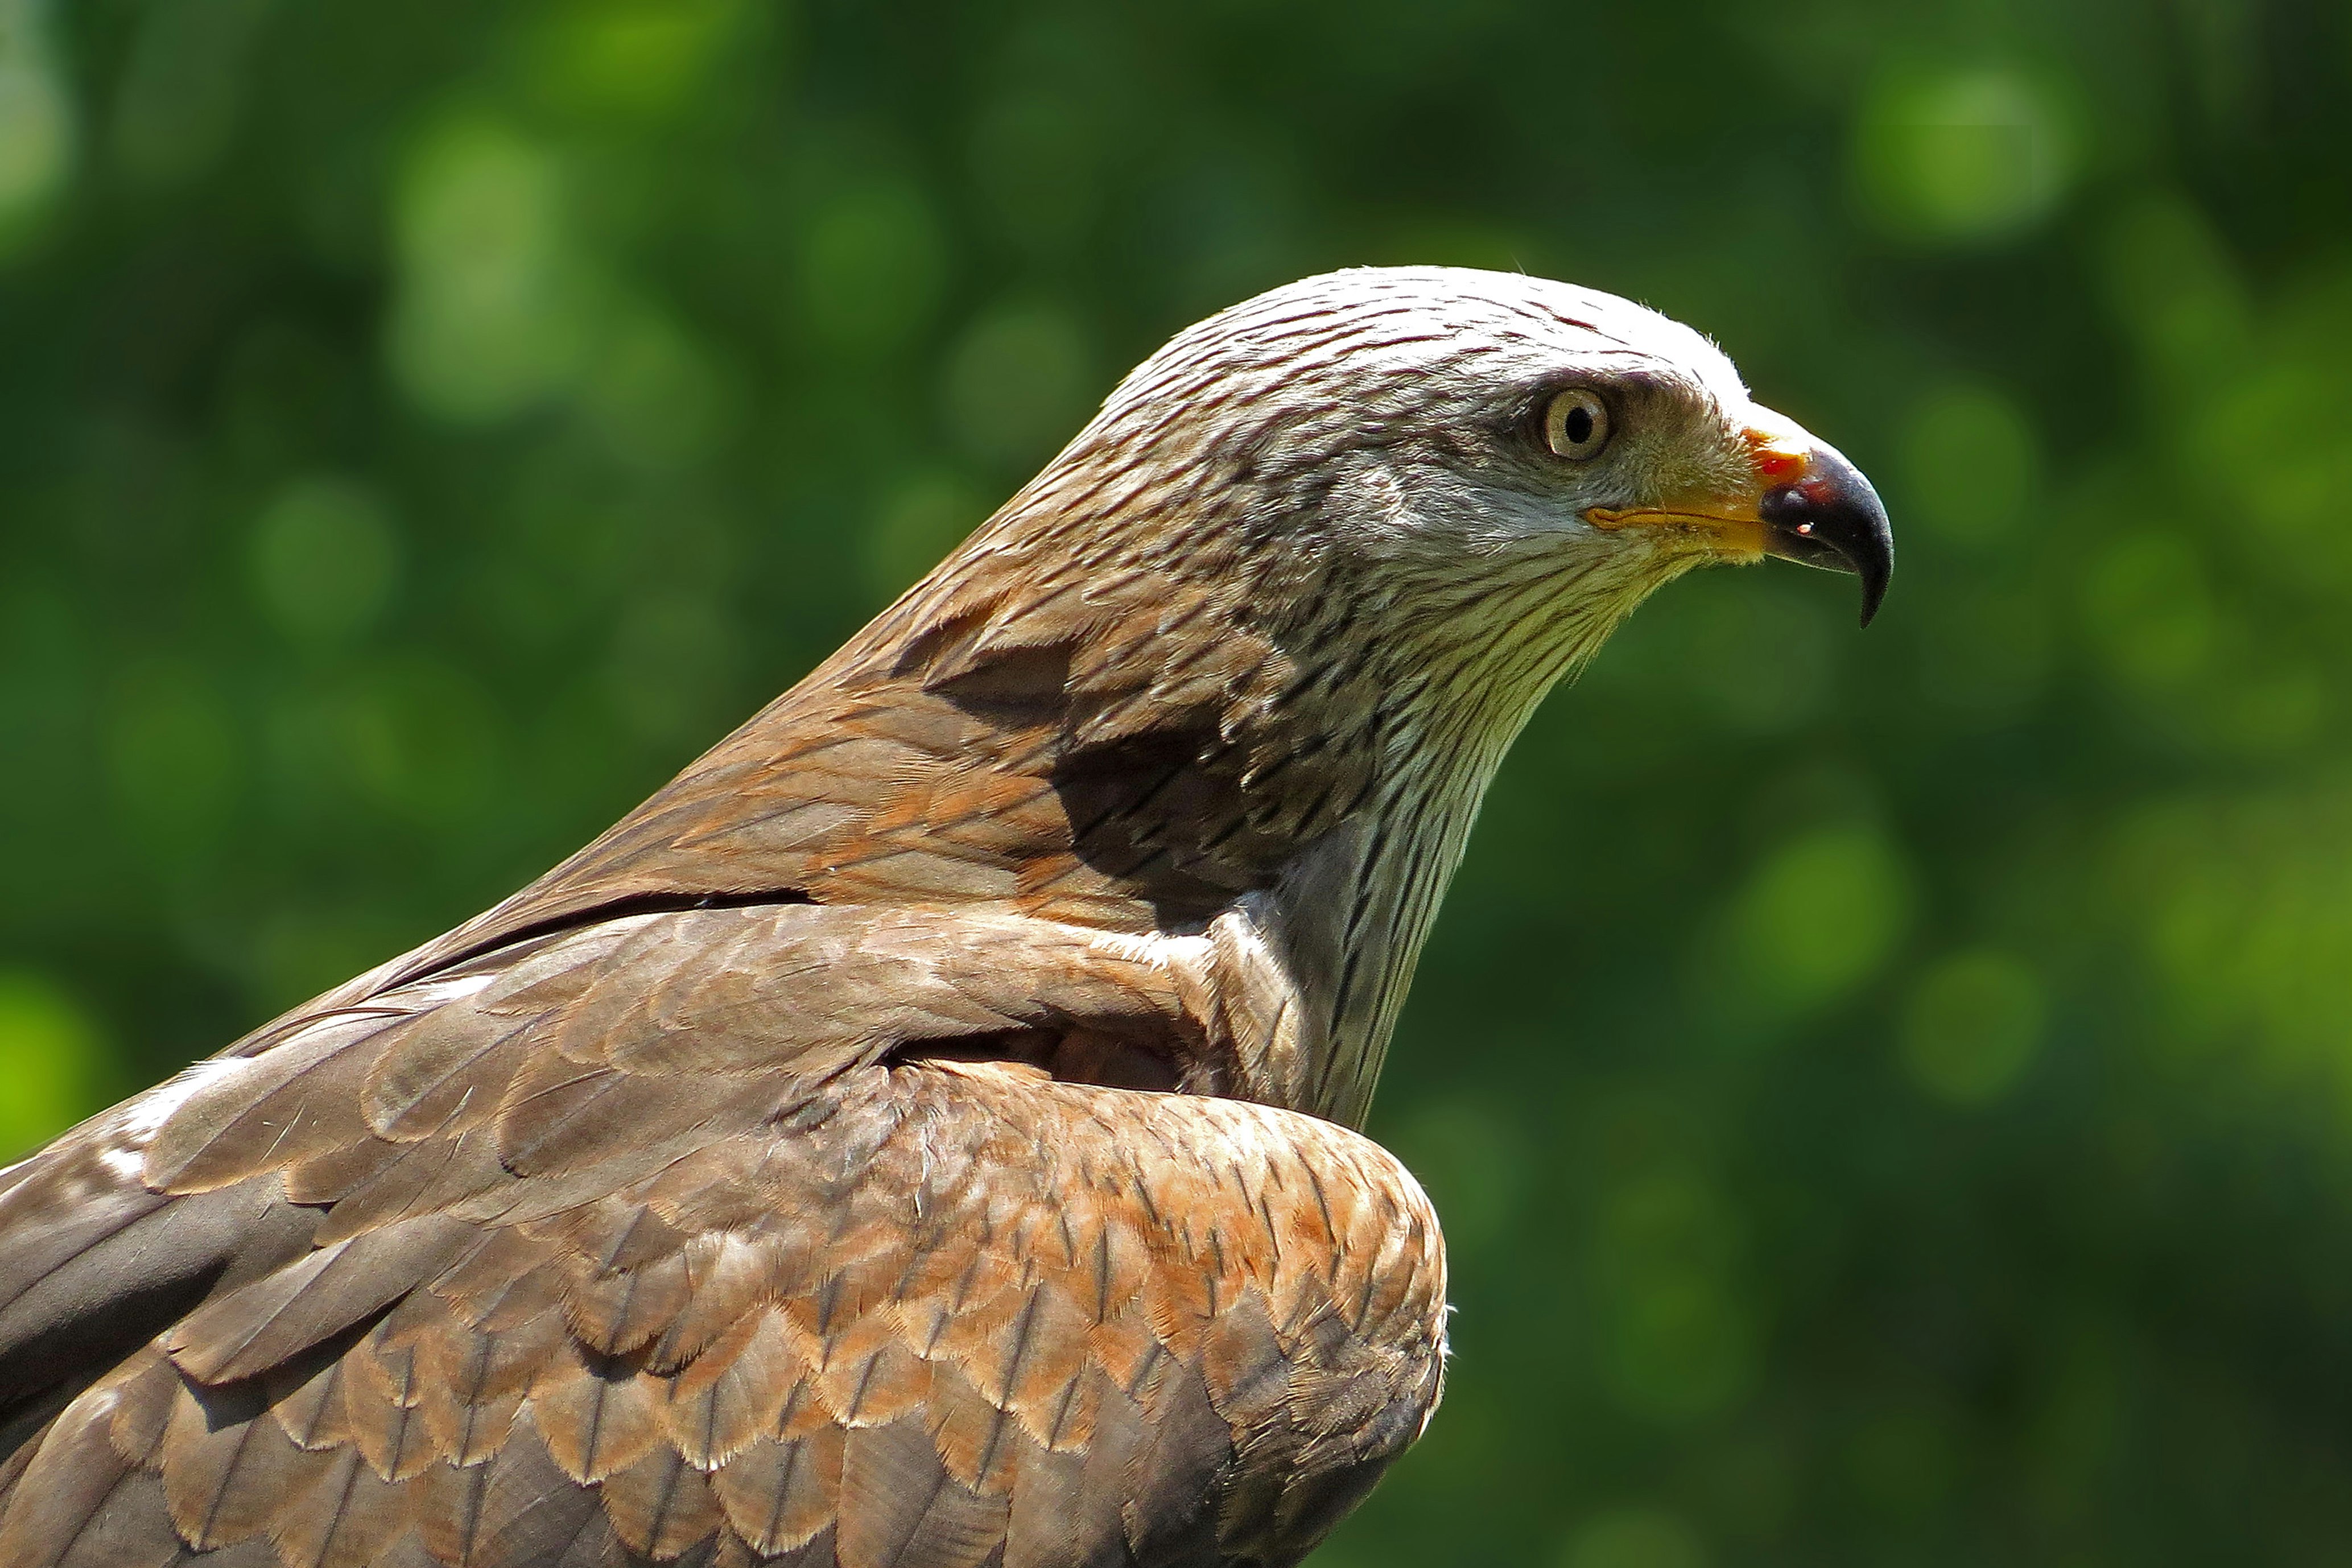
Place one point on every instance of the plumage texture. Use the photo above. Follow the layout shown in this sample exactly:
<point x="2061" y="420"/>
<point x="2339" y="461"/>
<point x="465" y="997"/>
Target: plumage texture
<point x="918" y="1137"/>
<point x="781" y="1298"/>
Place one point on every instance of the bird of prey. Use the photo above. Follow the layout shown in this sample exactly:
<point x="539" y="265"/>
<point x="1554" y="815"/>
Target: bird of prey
<point x="921" y="1134"/>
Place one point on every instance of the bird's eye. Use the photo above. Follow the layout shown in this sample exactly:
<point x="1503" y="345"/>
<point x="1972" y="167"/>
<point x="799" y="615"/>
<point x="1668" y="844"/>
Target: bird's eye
<point x="1576" y="424"/>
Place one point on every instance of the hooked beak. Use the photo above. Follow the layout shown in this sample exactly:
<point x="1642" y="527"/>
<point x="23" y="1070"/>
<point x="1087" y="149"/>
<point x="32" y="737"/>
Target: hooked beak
<point x="1805" y="503"/>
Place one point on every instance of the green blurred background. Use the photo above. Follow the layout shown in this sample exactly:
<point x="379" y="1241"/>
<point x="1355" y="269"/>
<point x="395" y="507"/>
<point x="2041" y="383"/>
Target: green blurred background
<point x="1889" y="1094"/>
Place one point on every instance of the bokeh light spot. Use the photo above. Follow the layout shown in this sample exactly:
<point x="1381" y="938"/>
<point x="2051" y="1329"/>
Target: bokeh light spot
<point x="174" y="754"/>
<point x="1901" y="1462"/>
<point x="1968" y="155"/>
<point x="1760" y="653"/>
<point x="1475" y="1163"/>
<point x="1018" y="382"/>
<point x="656" y="395"/>
<point x="2244" y="909"/>
<point x="2273" y="453"/>
<point x="2177" y="292"/>
<point x="51" y="1063"/>
<point x="922" y="518"/>
<point x="37" y="125"/>
<point x="629" y="57"/>
<point x="1989" y="648"/>
<point x="422" y="741"/>
<point x="177" y="104"/>
<point x="1971" y="464"/>
<point x="2150" y="611"/>
<point x="1634" y="1538"/>
<point x="873" y="264"/>
<point x="1972" y="1026"/>
<point x="674" y="661"/>
<point x="298" y="954"/>
<point x="324" y="560"/>
<point x="1678" y="1342"/>
<point x="1038" y="157"/>
<point x="1820" y="916"/>
<point x="496" y="305"/>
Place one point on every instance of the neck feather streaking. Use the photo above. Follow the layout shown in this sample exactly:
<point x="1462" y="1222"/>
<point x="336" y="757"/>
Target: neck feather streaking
<point x="1138" y="731"/>
<point x="1162" y="684"/>
<point x="1356" y="906"/>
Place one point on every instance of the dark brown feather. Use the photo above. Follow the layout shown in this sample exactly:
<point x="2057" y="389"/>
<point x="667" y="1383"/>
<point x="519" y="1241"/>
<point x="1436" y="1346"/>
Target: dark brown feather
<point x="960" y="1367"/>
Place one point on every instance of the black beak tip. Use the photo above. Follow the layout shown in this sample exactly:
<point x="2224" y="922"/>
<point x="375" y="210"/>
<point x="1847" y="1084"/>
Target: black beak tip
<point x="1831" y="517"/>
<point x="1873" y="594"/>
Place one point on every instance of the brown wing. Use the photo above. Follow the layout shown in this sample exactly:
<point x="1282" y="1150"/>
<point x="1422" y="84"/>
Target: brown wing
<point x="664" y="1241"/>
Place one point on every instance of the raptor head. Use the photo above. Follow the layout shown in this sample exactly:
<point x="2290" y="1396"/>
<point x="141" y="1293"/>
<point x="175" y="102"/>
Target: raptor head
<point x="1471" y="434"/>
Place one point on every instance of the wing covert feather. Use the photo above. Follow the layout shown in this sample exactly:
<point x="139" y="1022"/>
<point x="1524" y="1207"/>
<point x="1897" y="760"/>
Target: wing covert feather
<point x="777" y="1292"/>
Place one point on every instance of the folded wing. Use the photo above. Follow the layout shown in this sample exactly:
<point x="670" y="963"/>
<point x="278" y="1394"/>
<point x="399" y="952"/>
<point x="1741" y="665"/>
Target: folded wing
<point x="720" y="1236"/>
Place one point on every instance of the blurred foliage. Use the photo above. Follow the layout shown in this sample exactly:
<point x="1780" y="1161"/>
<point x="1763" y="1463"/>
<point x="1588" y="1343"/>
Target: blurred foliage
<point x="1889" y="1095"/>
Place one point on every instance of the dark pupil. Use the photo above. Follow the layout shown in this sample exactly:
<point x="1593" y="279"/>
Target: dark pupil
<point x="1580" y="426"/>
